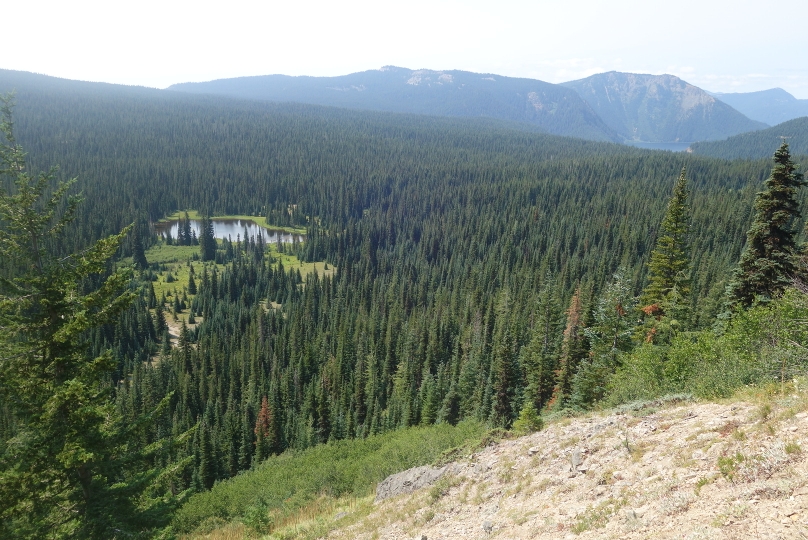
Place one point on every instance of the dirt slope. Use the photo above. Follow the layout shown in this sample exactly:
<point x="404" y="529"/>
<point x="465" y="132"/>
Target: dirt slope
<point x="690" y="471"/>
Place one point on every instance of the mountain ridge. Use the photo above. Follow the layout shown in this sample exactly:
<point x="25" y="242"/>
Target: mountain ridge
<point x="773" y="106"/>
<point x="660" y="108"/>
<point x="557" y="110"/>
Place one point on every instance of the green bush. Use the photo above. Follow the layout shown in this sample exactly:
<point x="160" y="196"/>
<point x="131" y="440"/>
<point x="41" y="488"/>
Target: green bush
<point x="528" y="421"/>
<point x="283" y="484"/>
<point x="760" y="345"/>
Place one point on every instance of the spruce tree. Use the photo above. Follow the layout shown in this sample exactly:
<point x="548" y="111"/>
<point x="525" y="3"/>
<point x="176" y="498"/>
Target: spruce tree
<point x="574" y="348"/>
<point x="138" y="252"/>
<point x="768" y="262"/>
<point x="207" y="240"/>
<point x="68" y="470"/>
<point x="669" y="267"/>
<point x="609" y="336"/>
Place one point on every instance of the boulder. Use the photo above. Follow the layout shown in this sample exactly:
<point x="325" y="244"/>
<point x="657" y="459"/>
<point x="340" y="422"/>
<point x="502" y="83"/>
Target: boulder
<point x="408" y="481"/>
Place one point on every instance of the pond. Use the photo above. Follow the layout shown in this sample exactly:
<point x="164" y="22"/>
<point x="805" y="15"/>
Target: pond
<point x="672" y="146"/>
<point x="231" y="228"/>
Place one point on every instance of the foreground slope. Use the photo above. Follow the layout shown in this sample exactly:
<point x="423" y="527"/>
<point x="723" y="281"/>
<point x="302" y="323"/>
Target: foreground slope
<point x="731" y="470"/>
<point x="660" y="108"/>
<point x="552" y="108"/>
<point x="771" y="106"/>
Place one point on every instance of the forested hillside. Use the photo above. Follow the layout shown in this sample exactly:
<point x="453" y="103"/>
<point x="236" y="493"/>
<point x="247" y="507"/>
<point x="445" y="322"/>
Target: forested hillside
<point x="758" y="144"/>
<point x="465" y="261"/>
<point x="537" y="104"/>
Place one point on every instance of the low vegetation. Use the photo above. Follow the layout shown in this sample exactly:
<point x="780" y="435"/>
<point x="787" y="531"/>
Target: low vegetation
<point x="284" y="485"/>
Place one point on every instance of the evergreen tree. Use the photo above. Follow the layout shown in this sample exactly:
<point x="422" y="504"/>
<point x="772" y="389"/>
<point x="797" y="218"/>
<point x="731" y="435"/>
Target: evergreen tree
<point x="539" y="358"/>
<point x="138" y="252"/>
<point x="669" y="267"/>
<point x="609" y="336"/>
<point x="184" y="231"/>
<point x="68" y="470"/>
<point x="573" y="350"/>
<point x="768" y="264"/>
<point x="191" y="282"/>
<point x="207" y="240"/>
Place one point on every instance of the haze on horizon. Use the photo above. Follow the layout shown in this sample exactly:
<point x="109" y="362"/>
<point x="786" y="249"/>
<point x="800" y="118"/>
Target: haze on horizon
<point x="721" y="46"/>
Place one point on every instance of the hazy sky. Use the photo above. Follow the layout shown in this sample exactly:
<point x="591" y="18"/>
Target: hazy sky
<point x="724" y="46"/>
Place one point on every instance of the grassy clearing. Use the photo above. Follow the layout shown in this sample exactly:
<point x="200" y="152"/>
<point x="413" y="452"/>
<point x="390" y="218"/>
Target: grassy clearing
<point x="177" y="261"/>
<point x="307" y="487"/>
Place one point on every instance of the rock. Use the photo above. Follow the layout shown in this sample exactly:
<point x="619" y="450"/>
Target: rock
<point x="340" y="515"/>
<point x="408" y="481"/>
<point x="488" y="527"/>
<point x="576" y="459"/>
<point x="533" y="450"/>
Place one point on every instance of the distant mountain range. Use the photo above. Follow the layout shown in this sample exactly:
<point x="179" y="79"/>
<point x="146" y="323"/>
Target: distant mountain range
<point x="772" y="106"/>
<point x="551" y="107"/>
<point x="613" y="106"/>
<point x="758" y="144"/>
<point x="660" y="108"/>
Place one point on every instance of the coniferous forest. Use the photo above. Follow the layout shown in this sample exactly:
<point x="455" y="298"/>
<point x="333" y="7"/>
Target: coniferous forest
<point x="452" y="271"/>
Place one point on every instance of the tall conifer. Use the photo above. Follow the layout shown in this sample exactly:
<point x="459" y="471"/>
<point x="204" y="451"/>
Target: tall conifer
<point x="669" y="267"/>
<point x="69" y="469"/>
<point x="768" y="264"/>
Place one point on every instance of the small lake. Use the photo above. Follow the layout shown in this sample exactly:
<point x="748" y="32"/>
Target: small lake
<point x="672" y="146"/>
<point x="231" y="228"/>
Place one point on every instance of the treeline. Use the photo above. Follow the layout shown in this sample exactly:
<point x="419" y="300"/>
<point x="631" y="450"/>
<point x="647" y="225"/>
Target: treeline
<point x="758" y="144"/>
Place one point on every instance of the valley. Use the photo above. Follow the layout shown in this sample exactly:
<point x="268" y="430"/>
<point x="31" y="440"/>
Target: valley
<point x="356" y="289"/>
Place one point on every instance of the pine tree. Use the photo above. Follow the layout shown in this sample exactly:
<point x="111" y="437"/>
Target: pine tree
<point x="138" y="253"/>
<point x="68" y="470"/>
<point x="768" y="263"/>
<point x="609" y="336"/>
<point x="191" y="282"/>
<point x="207" y="240"/>
<point x="669" y="267"/>
<point x="573" y="350"/>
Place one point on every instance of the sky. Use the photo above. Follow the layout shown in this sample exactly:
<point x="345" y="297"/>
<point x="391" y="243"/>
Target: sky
<point x="718" y="45"/>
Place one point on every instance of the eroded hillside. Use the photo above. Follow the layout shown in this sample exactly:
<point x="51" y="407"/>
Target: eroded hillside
<point x="691" y="470"/>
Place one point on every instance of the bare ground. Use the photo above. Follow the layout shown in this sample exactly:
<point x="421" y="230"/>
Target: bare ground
<point x="691" y="471"/>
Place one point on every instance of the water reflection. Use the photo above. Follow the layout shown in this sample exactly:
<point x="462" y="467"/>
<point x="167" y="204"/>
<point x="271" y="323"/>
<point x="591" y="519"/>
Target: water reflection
<point x="231" y="228"/>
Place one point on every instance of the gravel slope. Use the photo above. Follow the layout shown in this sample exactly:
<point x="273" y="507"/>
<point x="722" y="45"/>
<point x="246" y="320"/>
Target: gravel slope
<point x="689" y="471"/>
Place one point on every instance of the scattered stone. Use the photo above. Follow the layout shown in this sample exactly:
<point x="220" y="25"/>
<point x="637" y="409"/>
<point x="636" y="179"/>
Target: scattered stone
<point x="801" y="492"/>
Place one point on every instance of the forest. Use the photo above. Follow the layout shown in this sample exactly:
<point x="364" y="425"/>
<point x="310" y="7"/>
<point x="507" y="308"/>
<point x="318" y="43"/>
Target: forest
<point x="453" y="272"/>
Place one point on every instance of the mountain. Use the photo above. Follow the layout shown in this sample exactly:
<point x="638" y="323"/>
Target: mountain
<point x="758" y="144"/>
<point x="772" y="106"/>
<point x="660" y="108"/>
<point x="554" y="109"/>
